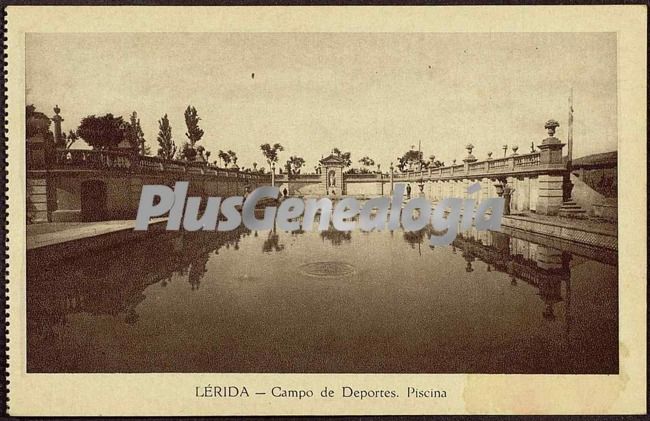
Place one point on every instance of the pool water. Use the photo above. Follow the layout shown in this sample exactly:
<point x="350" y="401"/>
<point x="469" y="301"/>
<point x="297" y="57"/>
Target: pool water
<point x="330" y="302"/>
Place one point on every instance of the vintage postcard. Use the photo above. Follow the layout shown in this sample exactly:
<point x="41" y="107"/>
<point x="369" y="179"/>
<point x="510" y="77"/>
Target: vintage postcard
<point x="326" y="210"/>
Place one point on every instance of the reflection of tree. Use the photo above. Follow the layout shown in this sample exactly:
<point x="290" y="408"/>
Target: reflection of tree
<point x="272" y="243"/>
<point x="469" y="258"/>
<point x="113" y="282"/>
<point x="198" y="270"/>
<point x="336" y="237"/>
<point x="414" y="238"/>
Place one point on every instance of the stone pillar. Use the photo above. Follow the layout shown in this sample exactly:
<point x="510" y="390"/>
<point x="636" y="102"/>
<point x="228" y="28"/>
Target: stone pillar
<point x="37" y="200"/>
<point x="469" y="158"/>
<point x="549" y="194"/>
<point x="550" y="189"/>
<point x="57" y="119"/>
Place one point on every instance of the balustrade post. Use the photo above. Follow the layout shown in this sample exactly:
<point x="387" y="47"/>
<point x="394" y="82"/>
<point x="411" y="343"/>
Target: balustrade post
<point x="469" y="158"/>
<point x="550" y="189"/>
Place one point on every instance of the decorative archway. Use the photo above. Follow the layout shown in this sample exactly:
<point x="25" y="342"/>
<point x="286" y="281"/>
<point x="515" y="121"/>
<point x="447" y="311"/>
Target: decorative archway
<point x="333" y="175"/>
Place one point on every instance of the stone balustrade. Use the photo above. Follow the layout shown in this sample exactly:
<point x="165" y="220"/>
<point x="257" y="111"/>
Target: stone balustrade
<point x="87" y="159"/>
<point x="63" y="184"/>
<point x="525" y="164"/>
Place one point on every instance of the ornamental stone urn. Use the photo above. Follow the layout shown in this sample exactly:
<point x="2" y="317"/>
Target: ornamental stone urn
<point x="469" y="157"/>
<point x="551" y="126"/>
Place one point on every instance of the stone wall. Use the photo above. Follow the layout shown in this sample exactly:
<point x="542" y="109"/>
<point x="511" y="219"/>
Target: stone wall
<point x="64" y="191"/>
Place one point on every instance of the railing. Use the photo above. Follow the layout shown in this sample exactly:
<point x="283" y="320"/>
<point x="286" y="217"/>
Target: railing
<point x="498" y="163"/>
<point x="525" y="163"/>
<point x="82" y="159"/>
<point x="362" y="177"/>
<point x="527" y="160"/>
<point x="284" y="177"/>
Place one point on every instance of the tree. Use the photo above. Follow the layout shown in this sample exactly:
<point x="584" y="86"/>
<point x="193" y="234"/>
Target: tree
<point x="103" y="132"/>
<point x="135" y="135"/>
<point x="68" y="139"/>
<point x="166" y="145"/>
<point x="411" y="158"/>
<point x="37" y="124"/>
<point x="294" y="164"/>
<point x="194" y="132"/>
<point x="225" y="157"/>
<point x="366" y="161"/>
<point x="271" y="152"/>
<point x="233" y="156"/>
<point x="344" y="156"/>
<point x="203" y="153"/>
<point x="187" y="152"/>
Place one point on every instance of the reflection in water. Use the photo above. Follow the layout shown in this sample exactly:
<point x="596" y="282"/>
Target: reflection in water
<point x="90" y="286"/>
<point x="335" y="237"/>
<point x="272" y="242"/>
<point x="488" y="303"/>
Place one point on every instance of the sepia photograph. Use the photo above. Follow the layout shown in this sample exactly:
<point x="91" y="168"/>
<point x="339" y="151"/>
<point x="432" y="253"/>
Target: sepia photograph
<point x="530" y="118"/>
<point x="326" y="210"/>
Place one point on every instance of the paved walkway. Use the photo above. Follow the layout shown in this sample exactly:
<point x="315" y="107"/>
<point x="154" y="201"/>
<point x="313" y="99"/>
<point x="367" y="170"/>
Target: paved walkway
<point x="599" y="226"/>
<point x="40" y="235"/>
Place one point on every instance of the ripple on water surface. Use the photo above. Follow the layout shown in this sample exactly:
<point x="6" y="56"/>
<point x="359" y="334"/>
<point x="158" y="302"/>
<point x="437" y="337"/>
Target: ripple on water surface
<point x="327" y="269"/>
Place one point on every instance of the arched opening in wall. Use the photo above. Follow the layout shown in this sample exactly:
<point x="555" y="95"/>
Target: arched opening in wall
<point x="93" y="201"/>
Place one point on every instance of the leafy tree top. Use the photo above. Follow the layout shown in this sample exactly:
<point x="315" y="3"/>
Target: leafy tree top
<point x="167" y="148"/>
<point x="345" y="156"/>
<point x="194" y="132"/>
<point x="37" y="123"/>
<point x="294" y="164"/>
<point x="367" y="162"/>
<point x="102" y="132"/>
<point x="225" y="157"/>
<point x="271" y="152"/>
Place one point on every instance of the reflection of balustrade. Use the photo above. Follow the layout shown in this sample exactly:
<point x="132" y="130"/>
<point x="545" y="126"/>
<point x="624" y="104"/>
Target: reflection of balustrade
<point x="532" y="271"/>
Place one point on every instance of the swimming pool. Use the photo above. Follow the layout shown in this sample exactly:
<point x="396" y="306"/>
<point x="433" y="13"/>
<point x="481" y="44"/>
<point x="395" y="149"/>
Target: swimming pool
<point x="325" y="302"/>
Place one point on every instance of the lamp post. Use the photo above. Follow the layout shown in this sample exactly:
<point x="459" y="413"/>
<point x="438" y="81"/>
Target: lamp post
<point x="505" y="150"/>
<point x="272" y="174"/>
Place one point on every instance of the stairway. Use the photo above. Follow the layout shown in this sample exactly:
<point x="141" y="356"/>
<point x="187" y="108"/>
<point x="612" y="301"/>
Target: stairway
<point x="570" y="209"/>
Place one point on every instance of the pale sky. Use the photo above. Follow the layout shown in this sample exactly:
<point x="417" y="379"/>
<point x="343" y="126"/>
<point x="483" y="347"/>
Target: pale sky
<point x="372" y="94"/>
